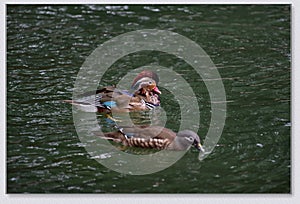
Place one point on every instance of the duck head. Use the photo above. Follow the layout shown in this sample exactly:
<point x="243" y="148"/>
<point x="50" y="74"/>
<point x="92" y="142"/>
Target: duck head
<point x="188" y="138"/>
<point x="146" y="81"/>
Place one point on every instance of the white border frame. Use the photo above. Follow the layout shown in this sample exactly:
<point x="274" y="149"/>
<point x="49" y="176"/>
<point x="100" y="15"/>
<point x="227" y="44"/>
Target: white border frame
<point x="294" y="197"/>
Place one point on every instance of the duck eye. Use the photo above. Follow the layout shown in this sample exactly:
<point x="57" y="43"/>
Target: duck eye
<point x="150" y="82"/>
<point x="191" y="139"/>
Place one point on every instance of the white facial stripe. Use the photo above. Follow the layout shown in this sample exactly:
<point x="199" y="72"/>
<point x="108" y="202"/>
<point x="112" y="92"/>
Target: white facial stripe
<point x="138" y="84"/>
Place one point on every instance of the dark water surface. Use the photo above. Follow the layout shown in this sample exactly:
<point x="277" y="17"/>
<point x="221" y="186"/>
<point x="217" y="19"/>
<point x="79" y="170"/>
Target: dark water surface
<point x="250" y="45"/>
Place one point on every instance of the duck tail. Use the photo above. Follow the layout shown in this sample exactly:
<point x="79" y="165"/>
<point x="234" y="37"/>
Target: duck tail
<point x="68" y="101"/>
<point x="78" y="103"/>
<point x="112" y="136"/>
<point x="86" y="107"/>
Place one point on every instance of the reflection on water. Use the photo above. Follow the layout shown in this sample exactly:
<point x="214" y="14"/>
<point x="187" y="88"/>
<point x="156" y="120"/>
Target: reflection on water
<point x="250" y="45"/>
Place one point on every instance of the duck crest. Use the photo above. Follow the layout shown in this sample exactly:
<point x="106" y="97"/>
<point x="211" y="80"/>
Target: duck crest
<point x="145" y="73"/>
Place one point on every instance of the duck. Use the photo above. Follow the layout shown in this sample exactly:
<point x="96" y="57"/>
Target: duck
<point x="153" y="137"/>
<point x="144" y="95"/>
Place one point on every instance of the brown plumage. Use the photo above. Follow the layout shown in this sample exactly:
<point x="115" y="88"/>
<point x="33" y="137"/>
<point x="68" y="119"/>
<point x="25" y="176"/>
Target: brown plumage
<point x="154" y="137"/>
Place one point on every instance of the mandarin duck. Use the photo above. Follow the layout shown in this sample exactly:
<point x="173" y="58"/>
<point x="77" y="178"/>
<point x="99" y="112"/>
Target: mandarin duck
<point x="154" y="137"/>
<point x="144" y="96"/>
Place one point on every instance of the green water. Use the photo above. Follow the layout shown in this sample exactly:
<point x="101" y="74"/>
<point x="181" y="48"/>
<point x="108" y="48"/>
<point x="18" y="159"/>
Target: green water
<point x="250" y="46"/>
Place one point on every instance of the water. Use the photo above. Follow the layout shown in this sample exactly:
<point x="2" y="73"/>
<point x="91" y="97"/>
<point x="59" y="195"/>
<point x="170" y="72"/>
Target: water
<point x="250" y="45"/>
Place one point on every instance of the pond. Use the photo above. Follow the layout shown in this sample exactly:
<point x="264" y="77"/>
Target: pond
<point x="249" y="45"/>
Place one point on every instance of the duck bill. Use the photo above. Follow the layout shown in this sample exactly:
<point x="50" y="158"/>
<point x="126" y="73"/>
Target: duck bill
<point x="199" y="147"/>
<point x="156" y="90"/>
